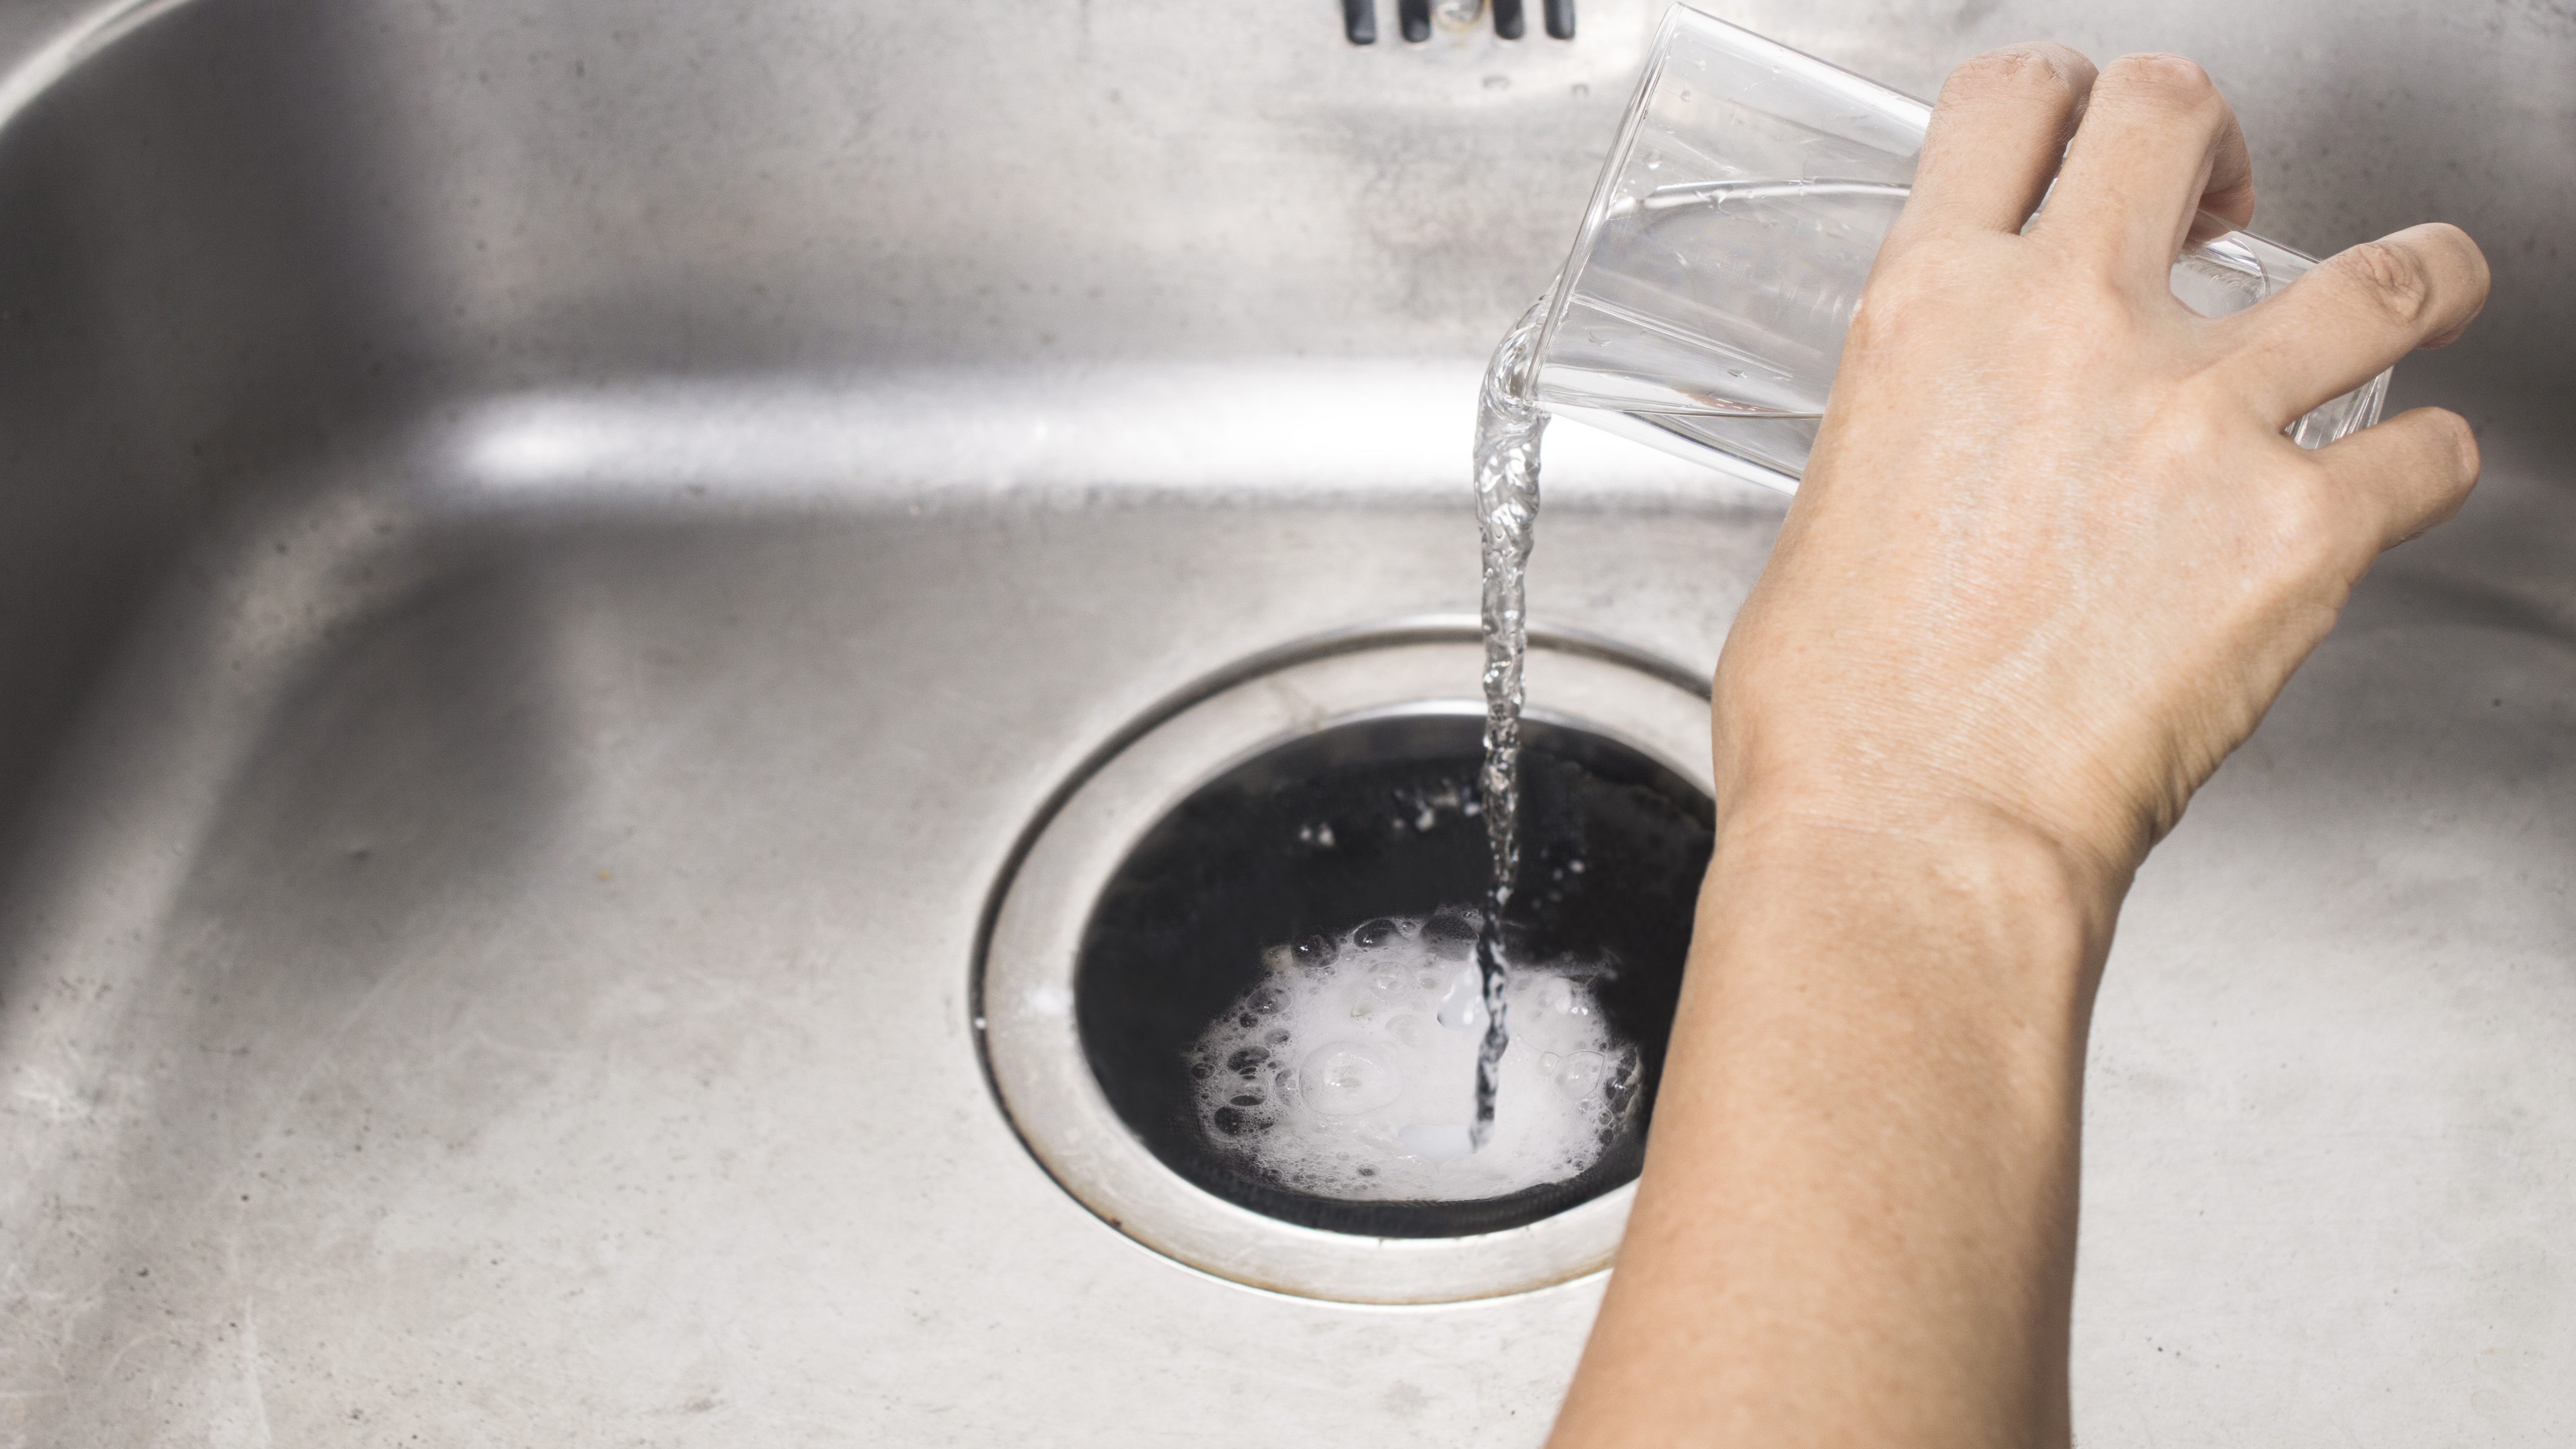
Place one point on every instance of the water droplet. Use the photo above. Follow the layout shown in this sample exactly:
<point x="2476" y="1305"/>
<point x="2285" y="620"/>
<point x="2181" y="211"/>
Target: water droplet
<point x="1463" y="1009"/>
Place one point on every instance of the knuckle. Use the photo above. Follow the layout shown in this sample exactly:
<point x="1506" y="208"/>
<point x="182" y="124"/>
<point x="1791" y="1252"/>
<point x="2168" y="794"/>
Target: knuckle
<point x="2188" y="434"/>
<point x="1896" y="297"/>
<point x="2395" y="280"/>
<point x="1888" y="312"/>
<point x="2308" y="513"/>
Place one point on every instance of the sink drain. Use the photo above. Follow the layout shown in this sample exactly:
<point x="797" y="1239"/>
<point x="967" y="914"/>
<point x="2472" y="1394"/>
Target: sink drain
<point x="1318" y="801"/>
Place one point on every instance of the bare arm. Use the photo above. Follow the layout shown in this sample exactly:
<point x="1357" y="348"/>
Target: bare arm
<point x="2051" y="563"/>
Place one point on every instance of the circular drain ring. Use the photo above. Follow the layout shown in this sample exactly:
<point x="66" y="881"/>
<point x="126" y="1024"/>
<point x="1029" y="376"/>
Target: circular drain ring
<point x="1032" y="936"/>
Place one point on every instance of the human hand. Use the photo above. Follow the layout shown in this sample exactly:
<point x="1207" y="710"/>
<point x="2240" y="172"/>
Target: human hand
<point x="2050" y="562"/>
<point x="2053" y="558"/>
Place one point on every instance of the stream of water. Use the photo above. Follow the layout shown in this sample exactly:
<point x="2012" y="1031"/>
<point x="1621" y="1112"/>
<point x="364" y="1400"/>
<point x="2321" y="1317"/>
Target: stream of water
<point x="1508" y="429"/>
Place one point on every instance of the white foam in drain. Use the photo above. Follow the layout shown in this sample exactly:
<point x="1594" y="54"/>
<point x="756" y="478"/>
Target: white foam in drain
<point x="1350" y="1072"/>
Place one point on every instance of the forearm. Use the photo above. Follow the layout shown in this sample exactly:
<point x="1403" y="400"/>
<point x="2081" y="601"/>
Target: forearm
<point x="1856" y="1224"/>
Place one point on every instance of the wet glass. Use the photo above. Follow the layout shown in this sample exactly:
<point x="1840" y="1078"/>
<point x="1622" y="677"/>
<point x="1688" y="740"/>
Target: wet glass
<point x="1704" y="306"/>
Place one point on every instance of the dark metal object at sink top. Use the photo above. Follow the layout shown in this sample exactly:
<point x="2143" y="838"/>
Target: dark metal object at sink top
<point x="549" y="555"/>
<point x="1414" y="18"/>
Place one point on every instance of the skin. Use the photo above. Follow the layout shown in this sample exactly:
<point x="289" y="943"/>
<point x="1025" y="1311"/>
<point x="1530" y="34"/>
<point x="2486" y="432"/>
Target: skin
<point x="2050" y="564"/>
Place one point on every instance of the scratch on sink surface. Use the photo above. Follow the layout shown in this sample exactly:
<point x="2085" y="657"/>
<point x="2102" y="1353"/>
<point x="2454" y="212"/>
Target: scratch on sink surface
<point x="326" y="1049"/>
<point x="109" y="1370"/>
<point x="59" y="1100"/>
<point x="242" y="1422"/>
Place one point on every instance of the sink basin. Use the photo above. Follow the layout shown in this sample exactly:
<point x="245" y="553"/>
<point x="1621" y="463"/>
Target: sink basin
<point x="548" y="554"/>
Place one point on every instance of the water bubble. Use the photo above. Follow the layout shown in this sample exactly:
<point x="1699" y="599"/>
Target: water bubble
<point x="1353" y="1076"/>
<point x="1449" y="935"/>
<point x="1438" y="1142"/>
<point x="1625" y="1064"/>
<point x="1345" y="1077"/>
<point x="1582" y="1074"/>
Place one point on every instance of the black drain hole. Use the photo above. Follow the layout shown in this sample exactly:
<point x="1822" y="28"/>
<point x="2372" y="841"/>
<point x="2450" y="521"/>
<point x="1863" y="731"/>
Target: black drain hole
<point x="1244" y="864"/>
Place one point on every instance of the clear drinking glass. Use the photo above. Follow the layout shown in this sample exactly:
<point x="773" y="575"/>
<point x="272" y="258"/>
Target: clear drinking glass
<point x="1704" y="306"/>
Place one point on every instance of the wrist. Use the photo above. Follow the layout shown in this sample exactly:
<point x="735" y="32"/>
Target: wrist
<point x="1950" y="887"/>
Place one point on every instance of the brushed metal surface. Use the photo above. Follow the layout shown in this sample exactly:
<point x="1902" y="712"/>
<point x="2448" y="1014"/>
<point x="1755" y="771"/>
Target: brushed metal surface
<point x="548" y="550"/>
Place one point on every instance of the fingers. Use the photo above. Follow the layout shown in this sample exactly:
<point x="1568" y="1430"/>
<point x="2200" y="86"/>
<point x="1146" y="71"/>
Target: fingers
<point x="2359" y="311"/>
<point x="2407" y="474"/>
<point x="1996" y="135"/>
<point x="2158" y="143"/>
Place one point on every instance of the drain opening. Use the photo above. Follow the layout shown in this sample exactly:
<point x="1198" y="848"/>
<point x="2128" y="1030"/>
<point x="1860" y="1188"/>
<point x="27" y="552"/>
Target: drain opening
<point x="1371" y="821"/>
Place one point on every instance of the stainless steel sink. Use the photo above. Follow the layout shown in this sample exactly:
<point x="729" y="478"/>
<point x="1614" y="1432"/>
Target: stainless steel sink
<point x="548" y="552"/>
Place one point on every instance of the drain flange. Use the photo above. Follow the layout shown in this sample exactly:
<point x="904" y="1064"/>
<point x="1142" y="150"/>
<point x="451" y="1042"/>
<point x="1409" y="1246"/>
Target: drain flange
<point x="1095" y="974"/>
